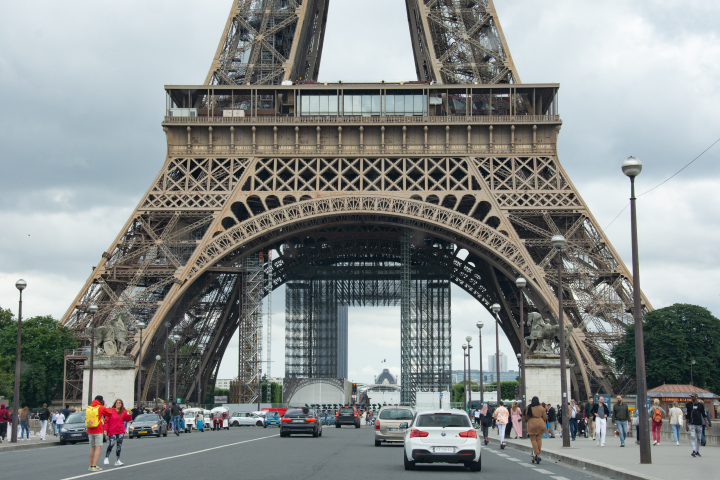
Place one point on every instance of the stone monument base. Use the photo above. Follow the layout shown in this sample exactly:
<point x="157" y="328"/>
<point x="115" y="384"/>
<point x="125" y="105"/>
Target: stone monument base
<point x="543" y="379"/>
<point x="113" y="378"/>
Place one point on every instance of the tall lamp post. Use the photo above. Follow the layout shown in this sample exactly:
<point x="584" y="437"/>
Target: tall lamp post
<point x="167" y="363"/>
<point x="464" y="347"/>
<point x="92" y="310"/>
<point x="20" y="285"/>
<point x="632" y="168"/>
<point x="175" y="339"/>
<point x="521" y="283"/>
<point x="157" y="382"/>
<point x="521" y="365"/>
<point x="479" y="325"/>
<point x="496" y="308"/>
<point x="558" y="242"/>
<point x="692" y="362"/>
<point x="141" y="326"/>
<point x="469" y="338"/>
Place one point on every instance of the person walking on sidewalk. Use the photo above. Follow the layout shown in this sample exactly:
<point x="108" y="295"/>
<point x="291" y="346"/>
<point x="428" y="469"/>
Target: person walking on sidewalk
<point x="486" y="420"/>
<point x="94" y="414"/>
<point x="552" y="418"/>
<point x="600" y="411"/>
<point x="590" y="418"/>
<point x="620" y="417"/>
<point x="175" y="410"/>
<point x="572" y="417"/>
<point x="536" y="419"/>
<point x="115" y="423"/>
<point x="4" y="419"/>
<point x="59" y="421"/>
<point x="44" y="415"/>
<point x="501" y="417"/>
<point x="695" y="416"/>
<point x="707" y="423"/>
<point x="516" y="417"/>
<point x="656" y="414"/>
<point x="676" y="418"/>
<point x="24" y="420"/>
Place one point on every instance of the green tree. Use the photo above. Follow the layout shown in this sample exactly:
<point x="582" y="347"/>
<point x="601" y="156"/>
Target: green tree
<point x="43" y="345"/>
<point x="673" y="336"/>
<point x="507" y="389"/>
<point x="275" y="393"/>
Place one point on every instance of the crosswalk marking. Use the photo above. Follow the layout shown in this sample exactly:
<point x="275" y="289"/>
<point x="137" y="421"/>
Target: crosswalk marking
<point x="528" y="465"/>
<point x="560" y="478"/>
<point x="543" y="471"/>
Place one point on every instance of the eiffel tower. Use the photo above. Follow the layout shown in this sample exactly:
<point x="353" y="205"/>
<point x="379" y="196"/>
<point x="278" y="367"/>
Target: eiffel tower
<point x="389" y="191"/>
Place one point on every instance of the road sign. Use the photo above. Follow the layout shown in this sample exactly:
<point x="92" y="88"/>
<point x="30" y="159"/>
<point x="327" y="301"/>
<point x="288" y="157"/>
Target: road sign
<point x="441" y="394"/>
<point x="178" y="400"/>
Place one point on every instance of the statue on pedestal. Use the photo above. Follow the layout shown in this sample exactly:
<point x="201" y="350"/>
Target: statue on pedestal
<point x="112" y="338"/>
<point x="543" y="338"/>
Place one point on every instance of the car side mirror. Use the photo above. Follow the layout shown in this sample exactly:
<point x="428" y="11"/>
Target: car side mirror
<point x="404" y="425"/>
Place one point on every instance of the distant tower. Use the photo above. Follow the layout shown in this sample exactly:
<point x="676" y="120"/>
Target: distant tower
<point x="492" y="363"/>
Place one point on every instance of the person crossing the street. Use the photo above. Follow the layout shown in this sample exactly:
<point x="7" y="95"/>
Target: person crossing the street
<point x="600" y="411"/>
<point x="620" y="417"/>
<point x="536" y="419"/>
<point x="115" y="423"/>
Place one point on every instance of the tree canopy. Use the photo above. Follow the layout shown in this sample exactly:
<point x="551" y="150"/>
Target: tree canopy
<point x="673" y="336"/>
<point x="42" y="349"/>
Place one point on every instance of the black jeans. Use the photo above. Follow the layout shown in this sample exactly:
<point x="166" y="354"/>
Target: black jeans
<point x="3" y="429"/>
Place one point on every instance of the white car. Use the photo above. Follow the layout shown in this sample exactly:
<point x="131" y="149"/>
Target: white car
<point x="441" y="436"/>
<point x="246" y="419"/>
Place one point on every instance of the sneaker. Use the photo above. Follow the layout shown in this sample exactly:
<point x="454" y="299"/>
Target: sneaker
<point x="692" y="454"/>
<point x="118" y="463"/>
<point x="677" y="443"/>
<point x="698" y="454"/>
<point x="106" y="461"/>
<point x="602" y="445"/>
<point x="537" y="459"/>
<point x="658" y="443"/>
<point x="622" y="445"/>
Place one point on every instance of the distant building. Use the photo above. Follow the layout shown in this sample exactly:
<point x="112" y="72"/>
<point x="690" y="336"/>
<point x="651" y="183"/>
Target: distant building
<point x="223" y="383"/>
<point x="488" y="377"/>
<point x="492" y="364"/>
<point x="385" y="378"/>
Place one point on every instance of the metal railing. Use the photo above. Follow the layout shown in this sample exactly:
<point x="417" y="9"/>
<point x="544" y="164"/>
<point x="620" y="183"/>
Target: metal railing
<point x="380" y="120"/>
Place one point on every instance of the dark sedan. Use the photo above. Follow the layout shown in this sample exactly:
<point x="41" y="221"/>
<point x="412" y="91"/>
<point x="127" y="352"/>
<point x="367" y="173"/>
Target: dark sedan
<point x="300" y="420"/>
<point x="149" y="425"/>
<point x="74" y="430"/>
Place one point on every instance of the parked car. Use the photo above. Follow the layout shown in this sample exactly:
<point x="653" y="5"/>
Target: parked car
<point x="300" y="420"/>
<point x="347" y="416"/>
<point x="388" y="425"/>
<point x="271" y="418"/>
<point x="148" y="425"/>
<point x="74" y="430"/>
<point x="246" y="420"/>
<point x="441" y="436"/>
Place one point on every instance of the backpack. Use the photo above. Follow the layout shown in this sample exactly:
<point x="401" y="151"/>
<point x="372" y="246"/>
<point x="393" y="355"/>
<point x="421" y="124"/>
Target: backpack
<point x="92" y="416"/>
<point x="657" y="415"/>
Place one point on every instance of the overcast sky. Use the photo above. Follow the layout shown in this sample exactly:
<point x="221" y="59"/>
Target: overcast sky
<point x="81" y="140"/>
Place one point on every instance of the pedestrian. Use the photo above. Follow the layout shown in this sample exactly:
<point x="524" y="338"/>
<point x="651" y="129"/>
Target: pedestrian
<point x="115" y="423"/>
<point x="590" y="418"/>
<point x="200" y="422"/>
<point x="600" y="411"/>
<point x="476" y="416"/>
<point x="536" y="419"/>
<point x="44" y="415"/>
<point x="676" y="418"/>
<point x="24" y="421"/>
<point x="636" y="424"/>
<point x="486" y="420"/>
<point x="620" y="417"/>
<point x="175" y="411"/>
<point x="516" y="417"/>
<point x="560" y="418"/>
<point x="552" y="418"/>
<point x="572" y="417"/>
<point x="501" y="417"/>
<point x="656" y="414"/>
<point x="65" y="412"/>
<point x="4" y="419"/>
<point x="59" y="421"/>
<point x="94" y="414"/>
<point x="167" y="415"/>
<point x="695" y="415"/>
<point x="707" y="423"/>
<point x="135" y="412"/>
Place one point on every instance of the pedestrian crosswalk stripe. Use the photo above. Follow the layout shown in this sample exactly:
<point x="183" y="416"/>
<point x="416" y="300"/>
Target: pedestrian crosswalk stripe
<point x="543" y="471"/>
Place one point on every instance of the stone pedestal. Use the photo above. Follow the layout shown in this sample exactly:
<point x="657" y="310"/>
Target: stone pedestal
<point x="113" y="378"/>
<point x="543" y="379"/>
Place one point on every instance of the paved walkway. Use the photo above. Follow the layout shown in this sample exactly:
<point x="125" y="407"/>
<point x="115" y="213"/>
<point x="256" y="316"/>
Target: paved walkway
<point x="34" y="442"/>
<point x="670" y="462"/>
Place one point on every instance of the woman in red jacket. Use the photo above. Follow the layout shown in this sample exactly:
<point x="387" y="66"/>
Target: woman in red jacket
<point x="115" y="426"/>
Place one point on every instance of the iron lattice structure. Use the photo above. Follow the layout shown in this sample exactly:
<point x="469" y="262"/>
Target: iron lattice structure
<point x="465" y="161"/>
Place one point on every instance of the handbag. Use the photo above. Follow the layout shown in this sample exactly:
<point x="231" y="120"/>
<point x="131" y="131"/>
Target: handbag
<point x="636" y="421"/>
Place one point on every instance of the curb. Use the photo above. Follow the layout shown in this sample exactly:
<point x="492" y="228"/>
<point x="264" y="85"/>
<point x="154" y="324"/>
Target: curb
<point x="614" y="472"/>
<point x="30" y="446"/>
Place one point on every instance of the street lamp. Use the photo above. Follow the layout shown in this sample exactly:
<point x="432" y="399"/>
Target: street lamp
<point x="20" y="285"/>
<point x="558" y="242"/>
<point x="521" y="365"/>
<point x="468" y="338"/>
<point x="496" y="308"/>
<point x="464" y="347"/>
<point x="521" y="283"/>
<point x="479" y="325"/>
<point x="92" y="310"/>
<point x="632" y="168"/>
<point x="692" y="362"/>
<point x="157" y="382"/>
<point x="175" y="339"/>
<point x="167" y="364"/>
<point x="140" y="325"/>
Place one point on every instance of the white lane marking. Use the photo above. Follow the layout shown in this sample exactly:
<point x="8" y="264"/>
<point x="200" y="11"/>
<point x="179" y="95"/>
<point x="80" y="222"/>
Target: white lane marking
<point x="560" y="478"/>
<point x="544" y="471"/>
<point x="125" y="467"/>
<point x="528" y="465"/>
<point x="514" y="459"/>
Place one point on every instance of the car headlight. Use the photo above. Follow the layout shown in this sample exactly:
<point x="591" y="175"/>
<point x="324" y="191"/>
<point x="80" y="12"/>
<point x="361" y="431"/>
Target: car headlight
<point x="132" y="428"/>
<point x="63" y="430"/>
<point x="154" y="426"/>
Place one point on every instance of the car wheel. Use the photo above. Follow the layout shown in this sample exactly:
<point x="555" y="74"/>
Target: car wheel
<point x="357" y="425"/>
<point x="408" y="464"/>
<point x="378" y="443"/>
<point x="265" y="425"/>
<point x="62" y="442"/>
<point x="73" y="443"/>
<point x="315" y="433"/>
<point x="476" y="466"/>
<point x="321" y="431"/>
<point x="337" y="425"/>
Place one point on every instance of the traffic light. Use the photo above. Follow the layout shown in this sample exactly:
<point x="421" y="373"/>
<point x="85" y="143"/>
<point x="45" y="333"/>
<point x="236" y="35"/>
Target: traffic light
<point x="517" y="391"/>
<point x="354" y="389"/>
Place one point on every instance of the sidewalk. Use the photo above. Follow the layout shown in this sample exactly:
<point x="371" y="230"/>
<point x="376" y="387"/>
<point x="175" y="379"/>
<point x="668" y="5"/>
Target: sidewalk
<point x="34" y="442"/>
<point x="670" y="462"/>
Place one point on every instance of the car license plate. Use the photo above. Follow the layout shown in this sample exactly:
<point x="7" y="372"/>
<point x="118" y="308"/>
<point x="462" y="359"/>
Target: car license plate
<point x="76" y="435"/>
<point x="298" y="421"/>
<point x="143" y="431"/>
<point x="396" y="429"/>
<point x="444" y="450"/>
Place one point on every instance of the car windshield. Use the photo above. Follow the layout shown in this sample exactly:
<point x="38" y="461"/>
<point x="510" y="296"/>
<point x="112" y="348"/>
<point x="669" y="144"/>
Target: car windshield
<point x="296" y="412"/>
<point x="443" y="420"/>
<point x="146" y="418"/>
<point x="77" y="417"/>
<point x="396" y="414"/>
<point x="346" y="410"/>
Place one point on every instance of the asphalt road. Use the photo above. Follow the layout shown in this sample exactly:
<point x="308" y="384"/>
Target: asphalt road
<point x="258" y="453"/>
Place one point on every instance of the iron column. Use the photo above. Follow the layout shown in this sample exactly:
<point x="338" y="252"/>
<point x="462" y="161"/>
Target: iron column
<point x="140" y="326"/>
<point x="558" y="242"/>
<point x="20" y="285"/>
<point x="521" y="283"/>
<point x="464" y="347"/>
<point x="479" y="325"/>
<point x="175" y="339"/>
<point x="632" y="168"/>
<point x="157" y="381"/>
<point x="468" y="338"/>
<point x="496" y="309"/>
<point x="167" y="363"/>
<point x="93" y="310"/>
